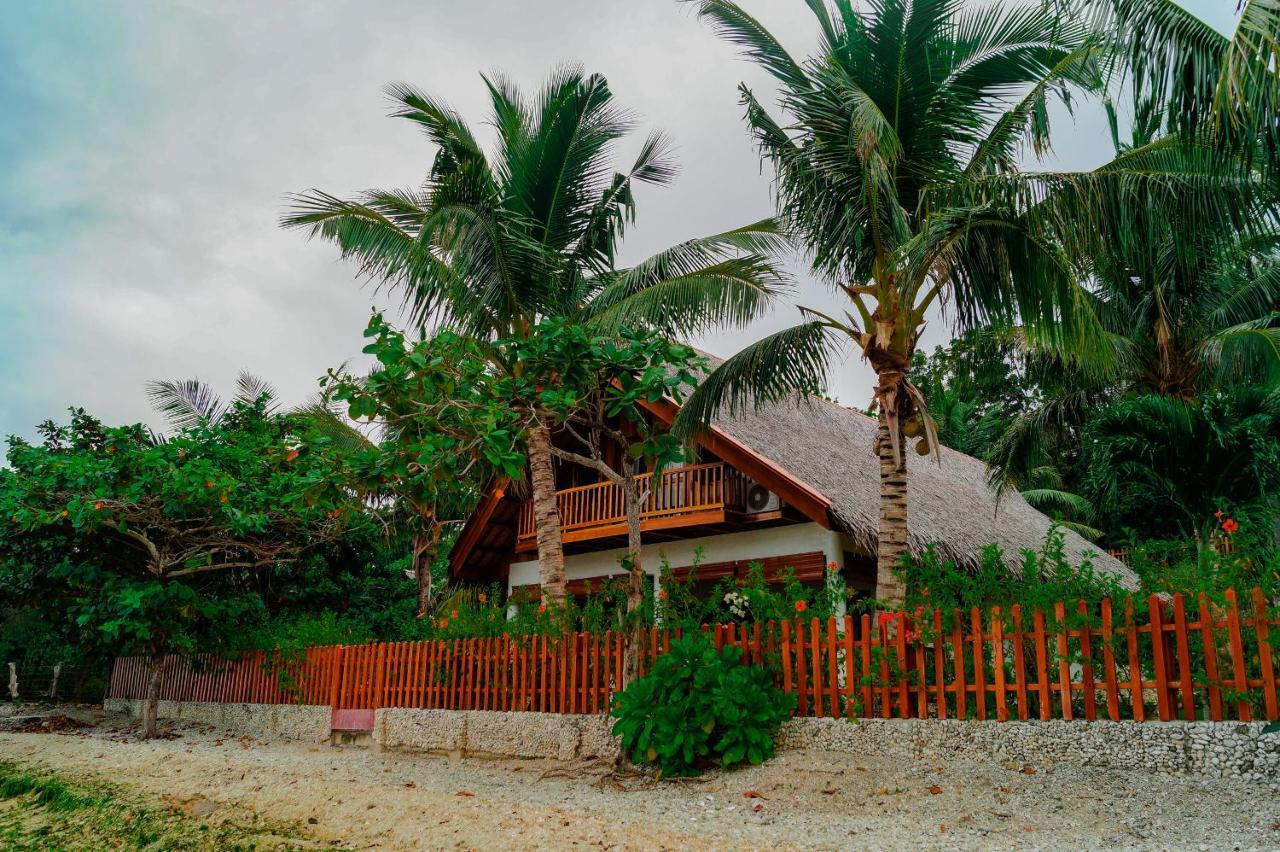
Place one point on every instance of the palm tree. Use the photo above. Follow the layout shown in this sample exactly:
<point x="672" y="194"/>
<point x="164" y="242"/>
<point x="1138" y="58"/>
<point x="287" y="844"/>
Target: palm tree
<point x="1225" y="87"/>
<point x="491" y="243"/>
<point x="1163" y="463"/>
<point x="897" y="170"/>
<point x="1186" y="308"/>
<point x="187" y="402"/>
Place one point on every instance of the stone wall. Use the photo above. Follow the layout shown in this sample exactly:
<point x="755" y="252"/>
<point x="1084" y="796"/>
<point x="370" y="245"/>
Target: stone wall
<point x="1219" y="749"/>
<point x="305" y="722"/>
<point x="563" y="737"/>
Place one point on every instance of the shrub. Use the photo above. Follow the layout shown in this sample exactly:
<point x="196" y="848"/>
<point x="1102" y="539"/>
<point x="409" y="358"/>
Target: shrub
<point x="698" y="706"/>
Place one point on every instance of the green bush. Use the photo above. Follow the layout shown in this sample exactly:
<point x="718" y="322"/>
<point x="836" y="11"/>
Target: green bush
<point x="698" y="706"/>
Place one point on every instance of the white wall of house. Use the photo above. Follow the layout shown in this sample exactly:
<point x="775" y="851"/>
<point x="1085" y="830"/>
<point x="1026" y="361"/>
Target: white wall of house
<point x="725" y="547"/>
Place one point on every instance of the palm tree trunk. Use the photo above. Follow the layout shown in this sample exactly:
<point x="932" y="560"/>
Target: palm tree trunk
<point x="893" y="515"/>
<point x="636" y="580"/>
<point x="546" y="516"/>
<point x="151" y="705"/>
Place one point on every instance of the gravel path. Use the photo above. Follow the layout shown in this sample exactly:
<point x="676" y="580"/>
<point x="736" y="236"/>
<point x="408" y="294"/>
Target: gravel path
<point x="799" y="800"/>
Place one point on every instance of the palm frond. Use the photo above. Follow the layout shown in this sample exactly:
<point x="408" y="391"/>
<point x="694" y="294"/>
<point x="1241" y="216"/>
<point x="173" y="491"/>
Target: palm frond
<point x="251" y="388"/>
<point x="734" y="25"/>
<point x="186" y="403"/>
<point x="794" y="359"/>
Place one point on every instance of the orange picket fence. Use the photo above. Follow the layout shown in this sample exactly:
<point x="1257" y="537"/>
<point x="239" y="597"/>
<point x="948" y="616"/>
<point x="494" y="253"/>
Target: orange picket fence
<point x="1174" y="660"/>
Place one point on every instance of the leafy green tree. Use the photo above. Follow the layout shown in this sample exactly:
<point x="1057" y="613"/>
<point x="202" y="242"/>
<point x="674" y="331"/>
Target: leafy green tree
<point x="897" y="161"/>
<point x="163" y="536"/>
<point x="594" y="385"/>
<point x="446" y="427"/>
<point x="491" y="243"/>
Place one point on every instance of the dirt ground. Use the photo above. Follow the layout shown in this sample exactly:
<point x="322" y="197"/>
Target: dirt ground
<point x="354" y="798"/>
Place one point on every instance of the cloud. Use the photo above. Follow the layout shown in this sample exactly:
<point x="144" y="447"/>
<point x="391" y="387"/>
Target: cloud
<point x="148" y="147"/>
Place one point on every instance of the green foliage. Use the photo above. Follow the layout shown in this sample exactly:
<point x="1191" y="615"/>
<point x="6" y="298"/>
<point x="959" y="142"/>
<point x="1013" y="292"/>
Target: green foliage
<point x="496" y="240"/>
<point x="697" y="705"/>
<point x="751" y="600"/>
<point x="580" y="376"/>
<point x="1159" y="465"/>
<point x="1043" y="579"/>
<point x="152" y="545"/>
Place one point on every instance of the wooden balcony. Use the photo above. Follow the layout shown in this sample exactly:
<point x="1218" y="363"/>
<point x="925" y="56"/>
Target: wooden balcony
<point x="686" y="496"/>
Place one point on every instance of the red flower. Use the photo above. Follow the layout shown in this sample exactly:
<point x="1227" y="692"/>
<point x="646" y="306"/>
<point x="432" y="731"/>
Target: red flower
<point x="1229" y="526"/>
<point x="444" y="622"/>
<point x="662" y="594"/>
<point x="483" y="597"/>
<point x="293" y="454"/>
<point x="1218" y="514"/>
<point x="98" y="505"/>
<point x="831" y="566"/>
<point x="542" y="608"/>
<point x="453" y="614"/>
<point x="801" y="606"/>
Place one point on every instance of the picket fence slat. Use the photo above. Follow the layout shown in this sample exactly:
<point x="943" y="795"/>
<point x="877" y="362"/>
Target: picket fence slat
<point x="927" y="664"/>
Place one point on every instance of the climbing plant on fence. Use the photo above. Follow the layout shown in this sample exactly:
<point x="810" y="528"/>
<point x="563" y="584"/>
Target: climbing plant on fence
<point x="1168" y="659"/>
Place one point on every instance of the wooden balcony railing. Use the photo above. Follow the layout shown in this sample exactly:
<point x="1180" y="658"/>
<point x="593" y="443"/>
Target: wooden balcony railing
<point x="693" y="494"/>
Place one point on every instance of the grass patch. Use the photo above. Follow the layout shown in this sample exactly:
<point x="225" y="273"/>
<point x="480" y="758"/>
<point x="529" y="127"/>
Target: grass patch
<point x="43" y="811"/>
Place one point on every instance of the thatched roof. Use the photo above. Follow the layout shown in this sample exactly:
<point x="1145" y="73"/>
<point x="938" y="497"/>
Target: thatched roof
<point x="830" y="448"/>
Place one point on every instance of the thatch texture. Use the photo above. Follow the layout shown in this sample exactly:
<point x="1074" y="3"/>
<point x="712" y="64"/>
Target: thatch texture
<point x="830" y="448"/>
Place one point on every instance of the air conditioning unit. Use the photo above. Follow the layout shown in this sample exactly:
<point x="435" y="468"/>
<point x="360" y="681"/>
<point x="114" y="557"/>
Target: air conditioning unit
<point x="761" y="499"/>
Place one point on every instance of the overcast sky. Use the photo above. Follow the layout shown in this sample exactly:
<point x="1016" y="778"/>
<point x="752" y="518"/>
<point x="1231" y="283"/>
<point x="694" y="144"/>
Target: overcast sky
<point x="146" y="147"/>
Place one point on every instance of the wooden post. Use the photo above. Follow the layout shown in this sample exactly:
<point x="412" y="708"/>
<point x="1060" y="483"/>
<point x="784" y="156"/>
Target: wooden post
<point x="997" y="664"/>
<point x="1042" y="666"/>
<point x="833" y="670"/>
<point x="868" y="697"/>
<point x="1136" y="690"/>
<point x="1160" y="658"/>
<point x="900" y="649"/>
<point x="1185" y="679"/>
<point x="802" y="665"/>
<point x="1020" y="662"/>
<point x="979" y="664"/>
<point x="1109" y="662"/>
<point x="957" y="656"/>
<point x="1266" y="664"/>
<point x="846" y="640"/>
<point x="1236" y="643"/>
<point x="1064" y="668"/>
<point x="1210" y="645"/>
<point x="939" y="666"/>
<point x="1086" y="652"/>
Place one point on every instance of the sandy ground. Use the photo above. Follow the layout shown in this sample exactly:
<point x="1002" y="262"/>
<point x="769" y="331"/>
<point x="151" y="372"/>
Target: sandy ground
<point x="366" y="799"/>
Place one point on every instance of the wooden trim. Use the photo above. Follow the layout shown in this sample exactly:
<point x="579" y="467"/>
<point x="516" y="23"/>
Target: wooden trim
<point x="712" y="516"/>
<point x="795" y="492"/>
<point x="475" y="525"/>
<point x="808" y="566"/>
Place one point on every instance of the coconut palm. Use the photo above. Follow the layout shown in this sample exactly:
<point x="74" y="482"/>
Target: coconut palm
<point x="897" y="165"/>
<point x="491" y="243"/>
<point x="189" y="402"/>
<point x="1204" y="82"/>
<point x="1185" y="307"/>
<point x="899" y="102"/>
<point x="184" y="403"/>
